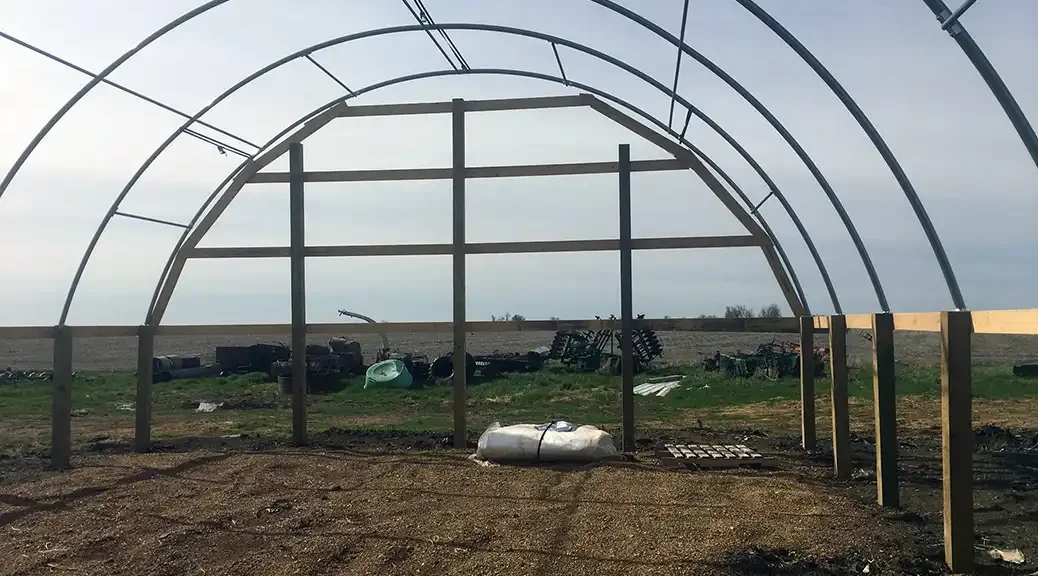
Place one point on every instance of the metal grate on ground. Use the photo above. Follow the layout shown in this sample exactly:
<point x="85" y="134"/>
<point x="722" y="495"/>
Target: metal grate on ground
<point x="713" y="456"/>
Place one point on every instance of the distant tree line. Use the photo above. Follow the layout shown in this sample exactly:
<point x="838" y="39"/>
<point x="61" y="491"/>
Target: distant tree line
<point x="737" y="311"/>
<point x="508" y="318"/>
<point x="743" y="311"/>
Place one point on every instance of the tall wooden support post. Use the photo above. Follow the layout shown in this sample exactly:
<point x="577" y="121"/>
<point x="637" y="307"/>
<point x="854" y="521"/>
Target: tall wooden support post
<point x="626" y="303"/>
<point x="142" y="415"/>
<point x="61" y="407"/>
<point x="808" y="426"/>
<point x="957" y="439"/>
<point x="885" y="403"/>
<point x="297" y="243"/>
<point x="840" y="414"/>
<point x="458" y="202"/>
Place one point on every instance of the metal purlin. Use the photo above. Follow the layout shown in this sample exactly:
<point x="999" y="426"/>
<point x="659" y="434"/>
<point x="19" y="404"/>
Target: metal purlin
<point x="483" y="27"/>
<point x="492" y="71"/>
<point x="214" y="3"/>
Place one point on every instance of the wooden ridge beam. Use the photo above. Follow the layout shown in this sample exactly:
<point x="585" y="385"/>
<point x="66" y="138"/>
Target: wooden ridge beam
<point x="493" y="105"/>
<point x="519" y="171"/>
<point x="532" y="247"/>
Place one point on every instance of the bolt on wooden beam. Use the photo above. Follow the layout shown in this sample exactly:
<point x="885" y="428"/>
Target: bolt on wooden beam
<point x="885" y="404"/>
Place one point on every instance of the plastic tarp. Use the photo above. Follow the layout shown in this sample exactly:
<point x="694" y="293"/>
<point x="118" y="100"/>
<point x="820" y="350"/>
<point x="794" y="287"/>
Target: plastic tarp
<point x="555" y="442"/>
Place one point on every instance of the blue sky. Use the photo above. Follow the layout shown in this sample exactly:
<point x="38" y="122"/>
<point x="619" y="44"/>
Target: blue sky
<point x="953" y="140"/>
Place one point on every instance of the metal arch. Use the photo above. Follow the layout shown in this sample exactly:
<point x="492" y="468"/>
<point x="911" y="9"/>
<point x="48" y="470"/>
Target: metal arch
<point x="161" y="285"/>
<point x="763" y="110"/>
<point x="93" y="83"/>
<point x="878" y="142"/>
<point x="950" y="22"/>
<point x="645" y="23"/>
<point x="480" y="27"/>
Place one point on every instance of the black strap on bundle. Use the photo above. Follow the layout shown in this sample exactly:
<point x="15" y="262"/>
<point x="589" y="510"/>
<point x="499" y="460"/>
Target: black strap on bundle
<point x="541" y="441"/>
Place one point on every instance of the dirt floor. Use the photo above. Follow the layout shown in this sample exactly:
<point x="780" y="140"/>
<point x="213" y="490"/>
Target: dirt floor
<point x="401" y="503"/>
<point x="120" y="354"/>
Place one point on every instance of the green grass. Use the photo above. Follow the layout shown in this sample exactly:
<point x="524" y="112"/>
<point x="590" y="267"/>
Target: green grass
<point x="550" y="394"/>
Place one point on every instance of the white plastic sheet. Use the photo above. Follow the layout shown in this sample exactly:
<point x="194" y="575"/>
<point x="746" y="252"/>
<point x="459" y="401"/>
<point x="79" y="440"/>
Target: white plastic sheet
<point x="519" y="442"/>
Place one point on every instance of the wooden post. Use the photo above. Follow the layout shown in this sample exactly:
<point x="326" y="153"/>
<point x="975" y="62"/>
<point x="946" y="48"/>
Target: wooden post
<point x="145" y="355"/>
<point x="61" y="407"/>
<point x="884" y="401"/>
<point x="808" y="433"/>
<point x="957" y="439"/>
<point x="297" y="246"/>
<point x="626" y="303"/>
<point x="458" y="197"/>
<point x="840" y="414"/>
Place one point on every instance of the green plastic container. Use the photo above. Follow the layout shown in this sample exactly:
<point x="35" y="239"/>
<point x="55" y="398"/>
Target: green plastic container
<point x="388" y="374"/>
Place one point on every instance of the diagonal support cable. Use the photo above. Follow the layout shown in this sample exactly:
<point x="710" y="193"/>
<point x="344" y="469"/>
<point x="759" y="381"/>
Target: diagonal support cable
<point x="558" y="60"/>
<point x="149" y="219"/>
<point x="117" y="86"/>
<point x="424" y="13"/>
<point x="330" y="75"/>
<point x="220" y="146"/>
<point x="688" y="118"/>
<point x="418" y="19"/>
<point x="677" y="64"/>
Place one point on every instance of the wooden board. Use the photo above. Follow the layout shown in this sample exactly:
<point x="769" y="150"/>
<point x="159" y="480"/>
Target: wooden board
<point x="713" y="455"/>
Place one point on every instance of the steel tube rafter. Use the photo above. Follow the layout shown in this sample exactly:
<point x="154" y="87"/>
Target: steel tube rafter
<point x="989" y="74"/>
<point x="173" y="24"/>
<point x="877" y="141"/>
<point x="859" y="245"/>
<point x="120" y="87"/>
<point x="948" y="19"/>
<point x="480" y="27"/>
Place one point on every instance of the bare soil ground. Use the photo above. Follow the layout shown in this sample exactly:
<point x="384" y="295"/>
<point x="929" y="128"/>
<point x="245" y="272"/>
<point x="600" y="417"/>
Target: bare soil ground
<point x="120" y="354"/>
<point x="401" y="503"/>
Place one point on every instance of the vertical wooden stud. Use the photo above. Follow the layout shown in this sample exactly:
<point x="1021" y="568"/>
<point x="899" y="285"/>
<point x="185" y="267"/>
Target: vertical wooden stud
<point x="626" y="303"/>
<point x="61" y="407"/>
<point x="458" y="202"/>
<point x="297" y="254"/>
<point x="808" y="425"/>
<point x="145" y="368"/>
<point x="957" y="439"/>
<point x="840" y="413"/>
<point x="884" y="401"/>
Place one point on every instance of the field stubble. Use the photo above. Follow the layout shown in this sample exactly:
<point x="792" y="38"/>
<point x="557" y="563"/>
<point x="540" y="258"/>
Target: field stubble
<point x="120" y="354"/>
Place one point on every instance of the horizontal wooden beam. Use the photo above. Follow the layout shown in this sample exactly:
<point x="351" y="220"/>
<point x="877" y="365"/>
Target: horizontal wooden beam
<point x="533" y="247"/>
<point x="1023" y="322"/>
<point x="768" y="325"/>
<point x="413" y="108"/>
<point x="398" y="175"/>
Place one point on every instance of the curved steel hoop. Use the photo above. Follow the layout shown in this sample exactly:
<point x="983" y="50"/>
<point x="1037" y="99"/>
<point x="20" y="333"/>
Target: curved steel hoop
<point x="156" y="309"/>
<point x="94" y="82"/>
<point x="859" y="245"/>
<point x="951" y="23"/>
<point x="480" y="27"/>
<point x="877" y="141"/>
